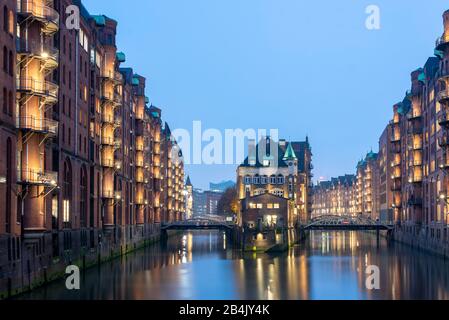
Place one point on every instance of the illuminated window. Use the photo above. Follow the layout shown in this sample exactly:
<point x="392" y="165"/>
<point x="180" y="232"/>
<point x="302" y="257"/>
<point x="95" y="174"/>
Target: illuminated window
<point x="66" y="211"/>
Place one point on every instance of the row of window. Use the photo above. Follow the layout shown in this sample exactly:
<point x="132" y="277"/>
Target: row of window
<point x="261" y="206"/>
<point x="8" y="20"/>
<point x="264" y="180"/>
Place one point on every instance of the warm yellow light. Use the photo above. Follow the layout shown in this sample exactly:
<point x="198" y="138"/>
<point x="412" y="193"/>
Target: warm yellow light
<point x="45" y="55"/>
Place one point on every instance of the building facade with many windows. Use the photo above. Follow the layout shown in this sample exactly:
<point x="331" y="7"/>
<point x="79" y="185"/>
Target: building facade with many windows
<point x="88" y="170"/>
<point x="335" y="197"/>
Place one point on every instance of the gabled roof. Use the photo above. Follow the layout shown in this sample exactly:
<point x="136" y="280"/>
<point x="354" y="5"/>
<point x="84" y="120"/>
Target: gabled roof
<point x="259" y="162"/>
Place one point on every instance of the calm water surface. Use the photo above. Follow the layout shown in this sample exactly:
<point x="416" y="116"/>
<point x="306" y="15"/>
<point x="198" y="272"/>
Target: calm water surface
<point x="200" y="265"/>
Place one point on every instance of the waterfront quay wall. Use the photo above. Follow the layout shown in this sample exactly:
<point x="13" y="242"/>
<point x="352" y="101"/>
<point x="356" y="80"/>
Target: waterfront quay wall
<point x="29" y="262"/>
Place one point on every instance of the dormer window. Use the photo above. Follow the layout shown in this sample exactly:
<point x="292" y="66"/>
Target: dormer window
<point x="280" y="180"/>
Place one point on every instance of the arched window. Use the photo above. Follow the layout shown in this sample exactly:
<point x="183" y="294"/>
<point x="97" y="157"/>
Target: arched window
<point x="273" y="179"/>
<point x="67" y="193"/>
<point x="247" y="180"/>
<point x="83" y="197"/>
<point x="5" y="18"/>
<point x="5" y="59"/>
<point x="256" y="179"/>
<point x="9" y="169"/>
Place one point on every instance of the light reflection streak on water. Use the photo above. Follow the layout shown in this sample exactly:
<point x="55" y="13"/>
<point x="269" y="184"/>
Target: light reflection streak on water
<point x="200" y="266"/>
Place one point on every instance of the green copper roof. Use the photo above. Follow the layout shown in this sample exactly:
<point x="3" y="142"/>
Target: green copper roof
<point x="147" y="100"/>
<point x="121" y="57"/>
<point x="99" y="20"/>
<point x="289" y="153"/>
<point x="422" y="77"/>
<point x="439" y="53"/>
<point x="155" y="114"/>
<point x="371" y="155"/>
<point x="135" y="81"/>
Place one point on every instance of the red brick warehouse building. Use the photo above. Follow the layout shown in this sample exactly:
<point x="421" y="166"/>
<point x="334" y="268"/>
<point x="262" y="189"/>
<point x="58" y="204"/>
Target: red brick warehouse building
<point x="87" y="169"/>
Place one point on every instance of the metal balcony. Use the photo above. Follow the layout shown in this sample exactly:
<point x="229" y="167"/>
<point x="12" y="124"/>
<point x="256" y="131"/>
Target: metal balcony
<point x="38" y="125"/>
<point x="45" y="89"/>
<point x="107" y="118"/>
<point x="107" y="162"/>
<point x="443" y="119"/>
<point x="411" y="116"/>
<point x="139" y="164"/>
<point x="416" y="146"/>
<point x="43" y="51"/>
<point x="112" y="75"/>
<point x="415" y="163"/>
<point x="415" y="178"/>
<point x="140" y="201"/>
<point x="36" y="10"/>
<point x="37" y="177"/>
<point x="395" y="137"/>
<point x="107" y="97"/>
<point x="108" y="194"/>
<point x="443" y="96"/>
<point x="109" y="141"/>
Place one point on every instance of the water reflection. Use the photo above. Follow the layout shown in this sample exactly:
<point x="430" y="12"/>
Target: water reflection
<point x="202" y="265"/>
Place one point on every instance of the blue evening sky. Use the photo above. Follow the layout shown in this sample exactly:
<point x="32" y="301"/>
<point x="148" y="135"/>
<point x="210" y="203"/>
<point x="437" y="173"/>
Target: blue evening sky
<point x="303" y="67"/>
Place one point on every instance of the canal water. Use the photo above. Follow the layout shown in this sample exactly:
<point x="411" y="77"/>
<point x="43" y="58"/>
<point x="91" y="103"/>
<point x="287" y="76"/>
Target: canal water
<point x="201" y="265"/>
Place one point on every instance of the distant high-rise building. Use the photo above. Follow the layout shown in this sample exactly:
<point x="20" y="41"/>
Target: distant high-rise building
<point x="222" y="186"/>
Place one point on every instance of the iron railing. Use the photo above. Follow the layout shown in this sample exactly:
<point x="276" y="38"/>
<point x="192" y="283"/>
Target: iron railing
<point x="37" y="176"/>
<point x="37" y="48"/>
<point x="37" y="124"/>
<point x="38" y="87"/>
<point x="39" y="10"/>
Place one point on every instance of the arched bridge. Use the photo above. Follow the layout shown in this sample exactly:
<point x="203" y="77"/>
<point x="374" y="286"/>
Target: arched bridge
<point x="346" y="223"/>
<point x="199" y="224"/>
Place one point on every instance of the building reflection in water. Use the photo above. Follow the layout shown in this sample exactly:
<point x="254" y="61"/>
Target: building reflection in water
<point x="202" y="265"/>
